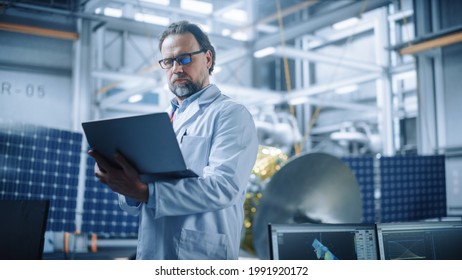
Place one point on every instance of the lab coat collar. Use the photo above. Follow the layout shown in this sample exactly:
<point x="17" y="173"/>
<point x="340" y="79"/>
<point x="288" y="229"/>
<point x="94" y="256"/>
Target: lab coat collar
<point x="208" y="96"/>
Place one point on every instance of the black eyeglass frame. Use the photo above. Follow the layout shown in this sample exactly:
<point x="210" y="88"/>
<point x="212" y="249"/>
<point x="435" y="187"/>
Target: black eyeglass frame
<point x="178" y="59"/>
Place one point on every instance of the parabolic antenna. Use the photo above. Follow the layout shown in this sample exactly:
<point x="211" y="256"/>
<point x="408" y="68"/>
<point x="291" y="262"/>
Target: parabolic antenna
<point x="310" y="188"/>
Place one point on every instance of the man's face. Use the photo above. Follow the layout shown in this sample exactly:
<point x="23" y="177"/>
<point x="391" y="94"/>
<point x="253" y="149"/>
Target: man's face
<point x="185" y="80"/>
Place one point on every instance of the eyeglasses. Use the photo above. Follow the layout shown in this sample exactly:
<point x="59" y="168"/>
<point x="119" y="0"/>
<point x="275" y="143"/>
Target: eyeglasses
<point x="182" y="59"/>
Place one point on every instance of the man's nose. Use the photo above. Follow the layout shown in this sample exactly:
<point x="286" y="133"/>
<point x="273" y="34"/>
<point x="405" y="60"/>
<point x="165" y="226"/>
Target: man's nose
<point x="177" y="67"/>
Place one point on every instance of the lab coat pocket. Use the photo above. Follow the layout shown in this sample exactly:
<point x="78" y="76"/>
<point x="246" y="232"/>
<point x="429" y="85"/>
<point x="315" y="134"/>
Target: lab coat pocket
<point x="195" y="151"/>
<point x="197" y="245"/>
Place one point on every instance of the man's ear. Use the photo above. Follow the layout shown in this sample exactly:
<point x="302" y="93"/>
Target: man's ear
<point x="209" y="56"/>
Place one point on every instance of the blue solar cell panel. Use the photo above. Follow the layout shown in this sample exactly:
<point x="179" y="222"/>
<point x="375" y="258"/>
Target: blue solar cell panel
<point x="363" y="169"/>
<point x="102" y="214"/>
<point x="32" y="169"/>
<point x="412" y="188"/>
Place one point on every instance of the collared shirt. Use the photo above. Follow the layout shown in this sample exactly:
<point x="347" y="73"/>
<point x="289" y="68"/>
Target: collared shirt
<point x="181" y="108"/>
<point x="201" y="218"/>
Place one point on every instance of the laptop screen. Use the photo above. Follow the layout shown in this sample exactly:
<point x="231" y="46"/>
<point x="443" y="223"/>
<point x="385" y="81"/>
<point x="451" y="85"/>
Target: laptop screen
<point x="420" y="240"/>
<point x="147" y="141"/>
<point x="322" y="242"/>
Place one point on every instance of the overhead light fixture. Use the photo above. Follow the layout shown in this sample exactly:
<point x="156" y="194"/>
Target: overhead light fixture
<point x="241" y="36"/>
<point x="197" y="6"/>
<point x="346" y="89"/>
<point x="314" y="43"/>
<point x="264" y="52"/>
<point x="235" y="15"/>
<point x="135" y="98"/>
<point x="344" y="24"/>
<point x="267" y="28"/>
<point x="152" y="19"/>
<point x="112" y="12"/>
<point x="298" y="100"/>
<point x="158" y="2"/>
<point x="226" y="32"/>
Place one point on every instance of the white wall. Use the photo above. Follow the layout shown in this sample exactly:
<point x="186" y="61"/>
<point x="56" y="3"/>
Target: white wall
<point x="35" y="80"/>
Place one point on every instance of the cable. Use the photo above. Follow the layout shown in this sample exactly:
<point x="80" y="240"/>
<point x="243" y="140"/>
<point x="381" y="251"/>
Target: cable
<point x="297" y="146"/>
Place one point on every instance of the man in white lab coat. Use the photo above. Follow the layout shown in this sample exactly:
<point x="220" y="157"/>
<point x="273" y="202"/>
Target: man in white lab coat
<point x="202" y="217"/>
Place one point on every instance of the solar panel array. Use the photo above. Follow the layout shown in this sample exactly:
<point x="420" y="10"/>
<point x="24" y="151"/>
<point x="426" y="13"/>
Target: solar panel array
<point x="37" y="162"/>
<point x="101" y="211"/>
<point x="412" y="188"/>
<point x="363" y="169"/>
<point x="400" y="188"/>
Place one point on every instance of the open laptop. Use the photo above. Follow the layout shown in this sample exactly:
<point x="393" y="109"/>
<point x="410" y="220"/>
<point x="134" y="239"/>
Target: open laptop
<point x="147" y="141"/>
<point x="420" y="240"/>
<point x="23" y="225"/>
<point x="322" y="242"/>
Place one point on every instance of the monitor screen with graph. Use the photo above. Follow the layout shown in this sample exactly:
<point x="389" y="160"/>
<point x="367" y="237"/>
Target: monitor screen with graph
<point x="420" y="240"/>
<point x="322" y="242"/>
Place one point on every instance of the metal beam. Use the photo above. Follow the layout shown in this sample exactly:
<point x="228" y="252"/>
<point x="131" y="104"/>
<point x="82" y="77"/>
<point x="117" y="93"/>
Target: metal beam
<point x="135" y="27"/>
<point x="288" y="11"/>
<point x="317" y="89"/>
<point x="232" y="55"/>
<point x="369" y="116"/>
<point x="319" y="21"/>
<point x="331" y="103"/>
<point x="124" y="95"/>
<point x="120" y="76"/>
<point x="342" y="35"/>
<point x="260" y="97"/>
<point x="430" y="44"/>
<point x="38" y="31"/>
<point x="319" y="57"/>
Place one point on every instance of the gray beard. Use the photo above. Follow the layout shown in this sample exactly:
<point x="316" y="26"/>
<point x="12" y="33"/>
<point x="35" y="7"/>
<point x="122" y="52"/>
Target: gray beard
<point x="185" y="90"/>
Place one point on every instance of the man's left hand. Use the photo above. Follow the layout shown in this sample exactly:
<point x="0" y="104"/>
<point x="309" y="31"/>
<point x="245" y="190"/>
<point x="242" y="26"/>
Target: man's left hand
<point x="124" y="180"/>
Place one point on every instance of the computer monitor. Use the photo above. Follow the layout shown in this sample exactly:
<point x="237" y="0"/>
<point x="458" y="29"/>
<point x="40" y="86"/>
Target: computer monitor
<point x="420" y="240"/>
<point x="322" y="242"/>
<point x="23" y="225"/>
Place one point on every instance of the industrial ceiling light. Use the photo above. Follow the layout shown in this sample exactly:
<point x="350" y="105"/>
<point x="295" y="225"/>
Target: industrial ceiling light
<point x="264" y="52"/>
<point x="241" y="36"/>
<point x="135" y="98"/>
<point x="344" y="24"/>
<point x="158" y="2"/>
<point x="112" y="12"/>
<point x="197" y="6"/>
<point x="152" y="19"/>
<point x="226" y="32"/>
<point x="235" y="15"/>
<point x="346" y="89"/>
<point x="299" y="100"/>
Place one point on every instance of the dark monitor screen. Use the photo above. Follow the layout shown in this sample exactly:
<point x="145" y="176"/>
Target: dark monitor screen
<point x="322" y="242"/>
<point x="420" y="240"/>
<point x="23" y="225"/>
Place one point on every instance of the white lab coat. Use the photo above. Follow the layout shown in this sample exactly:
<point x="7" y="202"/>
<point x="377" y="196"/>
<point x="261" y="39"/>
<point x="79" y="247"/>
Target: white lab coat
<point x="201" y="218"/>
